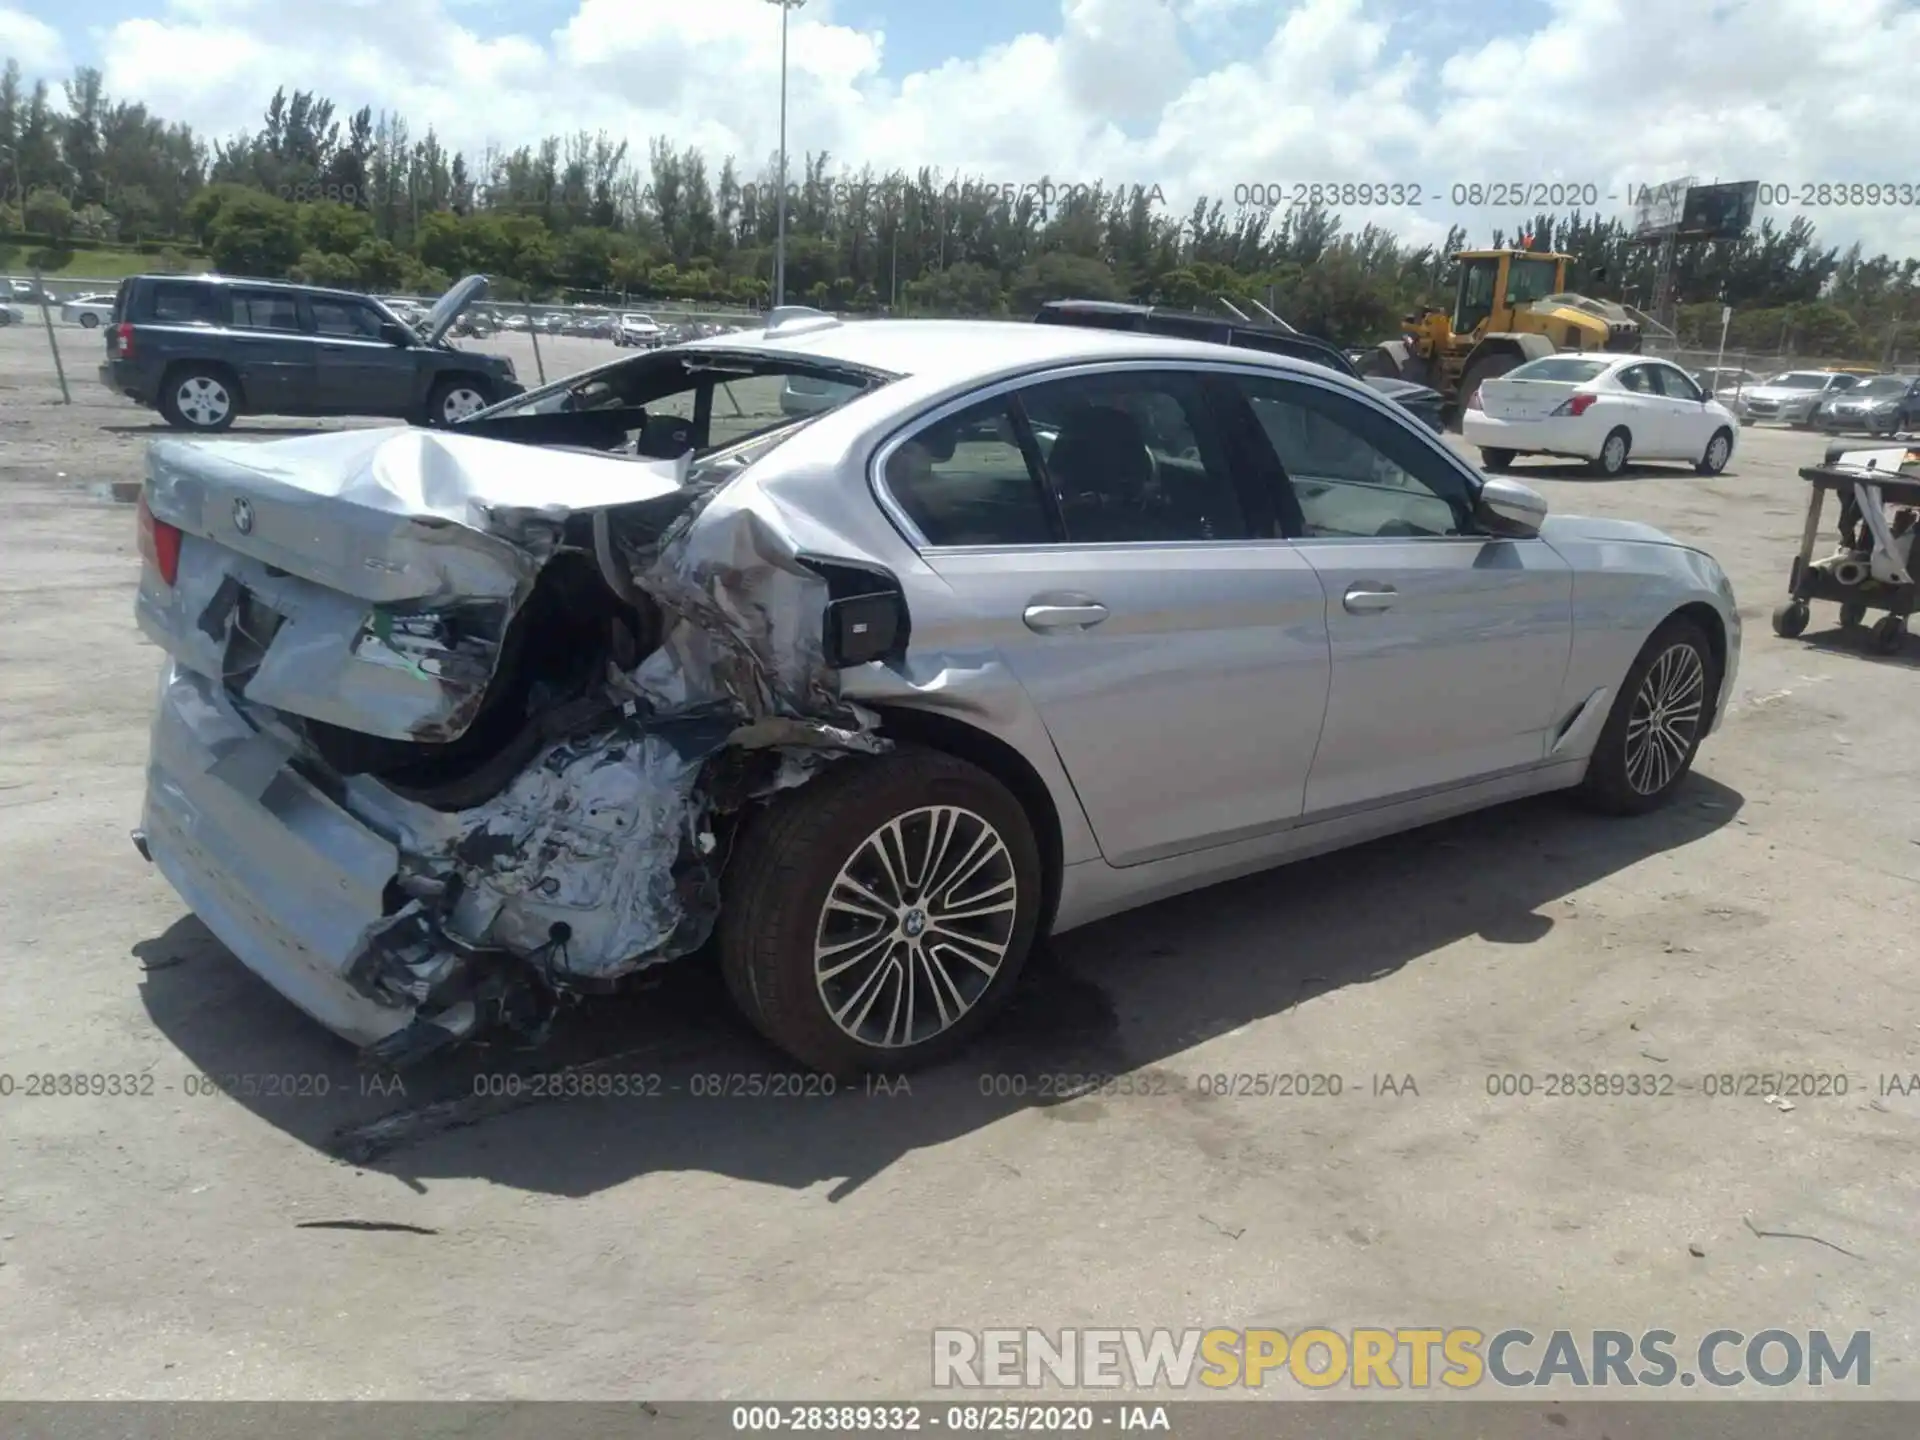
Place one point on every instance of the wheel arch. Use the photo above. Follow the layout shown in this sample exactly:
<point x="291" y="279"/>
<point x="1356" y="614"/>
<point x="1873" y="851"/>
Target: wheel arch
<point x="1714" y="624"/>
<point x="1516" y="343"/>
<point x="957" y="738"/>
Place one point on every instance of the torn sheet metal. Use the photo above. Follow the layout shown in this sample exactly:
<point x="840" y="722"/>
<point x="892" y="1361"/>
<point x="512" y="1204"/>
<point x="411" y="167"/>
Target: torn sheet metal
<point x="367" y="579"/>
<point x="373" y="588"/>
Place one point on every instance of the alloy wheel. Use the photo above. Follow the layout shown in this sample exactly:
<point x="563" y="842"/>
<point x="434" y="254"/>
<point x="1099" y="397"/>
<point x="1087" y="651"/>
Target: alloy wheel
<point x="916" y="926"/>
<point x="203" y="400"/>
<point x="1613" y="455"/>
<point x="460" y="403"/>
<point x="1665" y="719"/>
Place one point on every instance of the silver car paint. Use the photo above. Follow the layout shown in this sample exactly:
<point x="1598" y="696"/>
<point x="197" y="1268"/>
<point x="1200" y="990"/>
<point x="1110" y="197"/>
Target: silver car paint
<point x="1179" y="744"/>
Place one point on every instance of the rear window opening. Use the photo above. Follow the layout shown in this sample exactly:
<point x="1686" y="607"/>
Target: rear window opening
<point x="661" y="405"/>
<point x="1564" y="369"/>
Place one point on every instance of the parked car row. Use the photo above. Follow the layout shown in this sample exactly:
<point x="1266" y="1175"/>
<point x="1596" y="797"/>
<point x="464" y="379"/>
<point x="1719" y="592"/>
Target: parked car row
<point x="430" y="762"/>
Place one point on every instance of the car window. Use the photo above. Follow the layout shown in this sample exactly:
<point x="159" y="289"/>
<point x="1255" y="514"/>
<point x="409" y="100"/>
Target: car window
<point x="965" y="480"/>
<point x="1355" y="472"/>
<point x="264" y="310"/>
<point x="178" y="304"/>
<point x="1130" y="457"/>
<point x="1563" y="368"/>
<point x="1673" y="384"/>
<point x="1638" y="379"/>
<point x="345" y="319"/>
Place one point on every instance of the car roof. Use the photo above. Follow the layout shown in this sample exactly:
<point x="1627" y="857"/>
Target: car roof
<point x="290" y="286"/>
<point x="956" y="350"/>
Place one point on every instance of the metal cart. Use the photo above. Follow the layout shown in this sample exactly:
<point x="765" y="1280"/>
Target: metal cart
<point x="1871" y="571"/>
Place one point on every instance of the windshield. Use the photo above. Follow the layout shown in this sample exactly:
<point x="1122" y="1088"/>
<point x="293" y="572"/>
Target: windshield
<point x="1883" y="385"/>
<point x="1798" y="380"/>
<point x="1554" y="367"/>
<point x="1530" y="280"/>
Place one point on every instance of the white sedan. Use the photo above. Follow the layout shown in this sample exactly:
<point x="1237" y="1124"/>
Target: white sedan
<point x="89" y="312"/>
<point x="1604" y="409"/>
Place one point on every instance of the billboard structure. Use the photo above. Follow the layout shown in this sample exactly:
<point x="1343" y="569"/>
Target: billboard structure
<point x="1718" y="212"/>
<point x="1657" y="208"/>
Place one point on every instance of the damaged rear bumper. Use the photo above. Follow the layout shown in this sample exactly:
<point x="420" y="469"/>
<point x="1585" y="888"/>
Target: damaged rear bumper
<point x="282" y="876"/>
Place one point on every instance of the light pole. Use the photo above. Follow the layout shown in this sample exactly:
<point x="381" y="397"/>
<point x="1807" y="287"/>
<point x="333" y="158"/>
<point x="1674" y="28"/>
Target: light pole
<point x="780" y="240"/>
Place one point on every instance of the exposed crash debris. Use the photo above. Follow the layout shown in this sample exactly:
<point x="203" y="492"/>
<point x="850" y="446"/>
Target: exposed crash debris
<point x="542" y="685"/>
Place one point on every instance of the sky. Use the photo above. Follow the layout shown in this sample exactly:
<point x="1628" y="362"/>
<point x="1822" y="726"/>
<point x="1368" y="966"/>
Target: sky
<point x="1407" y="104"/>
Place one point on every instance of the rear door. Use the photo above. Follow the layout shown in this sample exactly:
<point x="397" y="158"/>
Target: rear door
<point x="358" y="370"/>
<point x="1100" y="537"/>
<point x="1449" y="647"/>
<point x="272" y="351"/>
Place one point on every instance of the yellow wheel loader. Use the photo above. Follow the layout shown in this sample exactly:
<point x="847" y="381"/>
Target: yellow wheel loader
<point x="1512" y="306"/>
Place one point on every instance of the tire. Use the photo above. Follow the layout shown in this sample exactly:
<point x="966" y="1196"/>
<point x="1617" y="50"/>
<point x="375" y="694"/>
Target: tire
<point x="89" y="320"/>
<point x="1668" y="695"/>
<point x="775" y="913"/>
<point x="1890" y="634"/>
<point x="454" y="397"/>
<point x="200" y="398"/>
<point x="1712" y="463"/>
<point x="1790" y="620"/>
<point x="1614" y="450"/>
<point x="1852" y="614"/>
<point x="1496" y="459"/>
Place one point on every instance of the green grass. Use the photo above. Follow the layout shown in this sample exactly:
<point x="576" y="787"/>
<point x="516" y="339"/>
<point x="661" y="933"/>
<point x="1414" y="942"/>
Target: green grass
<point x="91" y="264"/>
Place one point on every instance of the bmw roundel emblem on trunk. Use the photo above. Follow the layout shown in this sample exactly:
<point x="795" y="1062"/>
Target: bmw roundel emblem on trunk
<point x="243" y="515"/>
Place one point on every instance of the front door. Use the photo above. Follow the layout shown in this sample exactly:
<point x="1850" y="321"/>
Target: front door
<point x="1688" y="425"/>
<point x="1094" y="532"/>
<point x="1449" y="647"/>
<point x="358" y="370"/>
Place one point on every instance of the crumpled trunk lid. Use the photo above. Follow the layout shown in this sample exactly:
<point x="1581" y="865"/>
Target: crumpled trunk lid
<point x="376" y="581"/>
<point x="365" y="579"/>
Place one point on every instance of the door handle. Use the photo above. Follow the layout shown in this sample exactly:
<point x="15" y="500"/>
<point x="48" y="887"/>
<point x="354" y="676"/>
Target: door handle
<point x="1369" y="599"/>
<point x="1064" y="617"/>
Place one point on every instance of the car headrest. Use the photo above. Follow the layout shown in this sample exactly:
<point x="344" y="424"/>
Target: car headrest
<point x="1101" y="449"/>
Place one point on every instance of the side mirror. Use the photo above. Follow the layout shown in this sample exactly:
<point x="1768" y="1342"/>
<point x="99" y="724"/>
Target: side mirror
<point x="1510" y="509"/>
<point x="396" y="334"/>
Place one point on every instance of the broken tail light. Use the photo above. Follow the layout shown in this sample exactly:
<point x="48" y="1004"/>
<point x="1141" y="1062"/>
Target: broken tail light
<point x="1576" y="405"/>
<point x="159" y="543"/>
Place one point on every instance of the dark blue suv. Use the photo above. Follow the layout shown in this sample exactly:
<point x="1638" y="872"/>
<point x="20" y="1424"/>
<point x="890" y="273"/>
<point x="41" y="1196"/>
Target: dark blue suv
<point x="202" y="349"/>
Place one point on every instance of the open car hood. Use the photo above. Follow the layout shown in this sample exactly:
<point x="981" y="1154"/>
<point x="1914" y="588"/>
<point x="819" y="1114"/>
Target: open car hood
<point x="449" y="307"/>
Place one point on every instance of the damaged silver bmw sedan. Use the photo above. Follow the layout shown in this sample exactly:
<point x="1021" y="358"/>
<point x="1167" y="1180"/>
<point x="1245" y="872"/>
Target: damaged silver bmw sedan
<point x="1023" y="626"/>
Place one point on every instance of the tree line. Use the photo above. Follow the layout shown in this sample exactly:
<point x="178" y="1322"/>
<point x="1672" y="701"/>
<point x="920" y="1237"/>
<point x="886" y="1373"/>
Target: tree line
<point x="362" y="200"/>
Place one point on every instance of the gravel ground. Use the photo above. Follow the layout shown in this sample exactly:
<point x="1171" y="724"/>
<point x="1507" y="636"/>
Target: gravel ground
<point x="358" y="1245"/>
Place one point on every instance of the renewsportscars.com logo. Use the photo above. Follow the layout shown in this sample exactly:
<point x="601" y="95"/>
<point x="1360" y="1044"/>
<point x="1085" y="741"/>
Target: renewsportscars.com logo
<point x="1367" y="1358"/>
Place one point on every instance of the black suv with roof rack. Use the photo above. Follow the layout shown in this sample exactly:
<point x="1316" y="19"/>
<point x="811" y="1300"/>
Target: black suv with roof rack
<point x="1424" y="403"/>
<point x="202" y="349"/>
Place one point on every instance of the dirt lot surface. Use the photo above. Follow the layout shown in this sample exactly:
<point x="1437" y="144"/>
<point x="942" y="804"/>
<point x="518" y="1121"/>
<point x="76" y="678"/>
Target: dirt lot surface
<point x="435" y="1244"/>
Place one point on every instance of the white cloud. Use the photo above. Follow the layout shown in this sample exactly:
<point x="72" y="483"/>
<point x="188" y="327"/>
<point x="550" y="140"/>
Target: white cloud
<point x="34" y="43"/>
<point x="1612" y="92"/>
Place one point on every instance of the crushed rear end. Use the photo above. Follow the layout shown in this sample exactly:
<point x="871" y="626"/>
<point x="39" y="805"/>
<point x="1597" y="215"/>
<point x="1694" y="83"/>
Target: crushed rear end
<point x="450" y="729"/>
